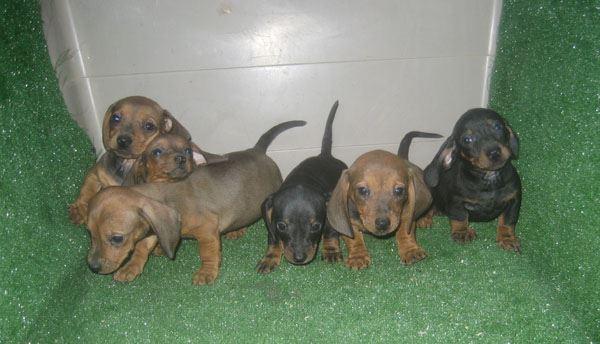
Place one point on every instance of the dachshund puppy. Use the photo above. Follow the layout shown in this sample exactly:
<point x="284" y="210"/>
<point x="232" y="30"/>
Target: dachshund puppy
<point x="126" y="223"/>
<point x="472" y="177"/>
<point x="380" y="193"/>
<point x="295" y="214"/>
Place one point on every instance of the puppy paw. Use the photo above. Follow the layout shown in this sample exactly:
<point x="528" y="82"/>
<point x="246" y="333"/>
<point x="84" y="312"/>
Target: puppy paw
<point x="127" y="273"/>
<point x="158" y="251"/>
<point x="358" y="262"/>
<point x="413" y="255"/>
<point x="425" y="222"/>
<point x="464" y="236"/>
<point x="332" y="256"/>
<point x="510" y="244"/>
<point x="204" y="276"/>
<point x="266" y="265"/>
<point x="235" y="234"/>
<point x="75" y="214"/>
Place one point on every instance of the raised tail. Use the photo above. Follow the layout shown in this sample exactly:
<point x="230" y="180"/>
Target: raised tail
<point x="268" y="137"/>
<point x="326" y="144"/>
<point x="407" y="139"/>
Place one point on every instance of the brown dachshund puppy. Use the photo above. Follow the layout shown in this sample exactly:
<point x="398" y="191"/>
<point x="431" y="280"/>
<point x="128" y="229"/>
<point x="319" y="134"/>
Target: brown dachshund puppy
<point x="129" y="125"/>
<point x="127" y="222"/>
<point x="380" y="193"/>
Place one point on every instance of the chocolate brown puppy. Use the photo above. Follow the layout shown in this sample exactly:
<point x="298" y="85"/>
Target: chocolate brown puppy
<point x="380" y="193"/>
<point x="126" y="223"/>
<point x="473" y="180"/>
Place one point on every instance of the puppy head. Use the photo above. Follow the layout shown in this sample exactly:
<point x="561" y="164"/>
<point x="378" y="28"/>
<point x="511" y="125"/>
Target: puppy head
<point x="120" y="217"/>
<point x="296" y="216"/>
<point x="167" y="158"/>
<point x="132" y="122"/>
<point x="482" y="138"/>
<point x="376" y="193"/>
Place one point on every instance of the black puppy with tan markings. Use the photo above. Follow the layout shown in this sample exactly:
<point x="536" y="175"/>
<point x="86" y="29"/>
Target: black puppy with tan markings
<point x="380" y="193"/>
<point x="295" y="214"/>
<point x="128" y="222"/>
<point x="473" y="180"/>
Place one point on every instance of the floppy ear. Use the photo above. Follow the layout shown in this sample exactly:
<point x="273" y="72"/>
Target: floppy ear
<point x="164" y="221"/>
<point x="337" y="207"/>
<point x="205" y="158"/>
<point x="106" y="125"/>
<point x="171" y="125"/>
<point x="267" y="213"/>
<point x="408" y="211"/>
<point x="513" y="143"/>
<point x="443" y="160"/>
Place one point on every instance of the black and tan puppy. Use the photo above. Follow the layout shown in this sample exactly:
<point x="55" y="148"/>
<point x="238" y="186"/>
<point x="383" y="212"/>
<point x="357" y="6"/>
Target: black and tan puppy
<point x="128" y="126"/>
<point x="295" y="215"/>
<point x="127" y="222"/>
<point x="473" y="180"/>
<point x="380" y="193"/>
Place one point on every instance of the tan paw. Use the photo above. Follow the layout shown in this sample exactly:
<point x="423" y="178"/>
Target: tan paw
<point x="510" y="244"/>
<point x="158" y="251"/>
<point x="76" y="214"/>
<point x="358" y="262"/>
<point x="266" y="265"/>
<point x="464" y="236"/>
<point x="413" y="255"/>
<point x="235" y="234"/>
<point x="425" y="222"/>
<point x="204" y="276"/>
<point x="127" y="273"/>
<point x="332" y="256"/>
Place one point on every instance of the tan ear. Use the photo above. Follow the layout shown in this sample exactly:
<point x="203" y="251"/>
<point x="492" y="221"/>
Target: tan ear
<point x="408" y="211"/>
<point x="164" y="221"/>
<point x="106" y="125"/>
<point x="423" y="198"/>
<point x="171" y="125"/>
<point x="337" y="207"/>
<point x="205" y="158"/>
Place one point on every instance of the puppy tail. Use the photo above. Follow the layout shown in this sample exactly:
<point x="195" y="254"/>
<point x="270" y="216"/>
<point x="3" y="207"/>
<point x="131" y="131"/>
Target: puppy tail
<point x="407" y="139"/>
<point x="327" y="141"/>
<point x="268" y="137"/>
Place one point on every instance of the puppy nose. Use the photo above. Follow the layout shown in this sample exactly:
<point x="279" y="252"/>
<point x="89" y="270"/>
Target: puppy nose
<point x="124" y="141"/>
<point x="94" y="266"/>
<point x="299" y="257"/>
<point x="382" y="223"/>
<point x="494" y="154"/>
<point x="180" y="159"/>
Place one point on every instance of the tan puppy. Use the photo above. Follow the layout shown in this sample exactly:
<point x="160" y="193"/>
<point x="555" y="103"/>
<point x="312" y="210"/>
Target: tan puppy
<point x="128" y="126"/>
<point x="129" y="221"/>
<point x="380" y="193"/>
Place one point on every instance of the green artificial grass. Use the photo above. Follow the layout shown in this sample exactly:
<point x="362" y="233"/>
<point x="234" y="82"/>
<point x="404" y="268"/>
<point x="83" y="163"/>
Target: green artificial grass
<point x="546" y="83"/>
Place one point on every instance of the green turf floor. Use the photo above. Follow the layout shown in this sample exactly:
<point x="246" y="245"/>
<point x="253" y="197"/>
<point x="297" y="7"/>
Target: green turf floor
<point x="546" y="82"/>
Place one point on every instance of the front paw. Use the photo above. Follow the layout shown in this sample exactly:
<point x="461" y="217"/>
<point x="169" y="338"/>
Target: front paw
<point x="127" y="273"/>
<point x="463" y="237"/>
<point x="332" y="256"/>
<point x="413" y="255"/>
<point x="266" y="265"/>
<point x="204" y="276"/>
<point x="358" y="262"/>
<point x="510" y="243"/>
<point x="235" y="234"/>
<point x="76" y="214"/>
<point x="158" y="251"/>
<point x="425" y="222"/>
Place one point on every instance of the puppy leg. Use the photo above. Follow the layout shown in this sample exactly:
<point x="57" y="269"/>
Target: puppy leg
<point x="408" y="249"/>
<point x="135" y="265"/>
<point x="78" y="211"/>
<point x="233" y="235"/>
<point x="272" y="257"/>
<point x="461" y="232"/>
<point x="426" y="221"/>
<point x="505" y="233"/>
<point x="209" y="245"/>
<point x="358" y="256"/>
<point x="331" y="251"/>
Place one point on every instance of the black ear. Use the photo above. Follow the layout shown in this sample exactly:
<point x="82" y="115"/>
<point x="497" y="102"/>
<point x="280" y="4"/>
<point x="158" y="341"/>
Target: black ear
<point x="267" y="213"/>
<point x="442" y="161"/>
<point x="513" y="143"/>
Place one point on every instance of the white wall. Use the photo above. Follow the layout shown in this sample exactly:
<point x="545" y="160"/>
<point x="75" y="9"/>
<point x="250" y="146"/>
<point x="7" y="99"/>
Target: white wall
<point x="229" y="70"/>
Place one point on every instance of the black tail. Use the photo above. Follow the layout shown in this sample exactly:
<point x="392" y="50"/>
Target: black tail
<point x="326" y="144"/>
<point x="407" y="139"/>
<point x="268" y="137"/>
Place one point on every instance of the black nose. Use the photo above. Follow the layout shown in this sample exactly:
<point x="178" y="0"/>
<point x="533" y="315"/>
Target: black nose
<point x="382" y="223"/>
<point x="124" y="141"/>
<point x="494" y="154"/>
<point x="299" y="257"/>
<point x="94" y="266"/>
<point x="180" y="159"/>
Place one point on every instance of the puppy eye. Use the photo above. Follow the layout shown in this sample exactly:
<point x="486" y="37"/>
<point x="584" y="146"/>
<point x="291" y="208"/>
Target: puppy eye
<point x="188" y="151"/>
<point x="149" y="126"/>
<point x="315" y="227"/>
<point x="281" y="226"/>
<point x="156" y="152"/>
<point x="115" y="118"/>
<point x="498" y="126"/>
<point x="399" y="191"/>
<point x="116" y="239"/>
<point x="363" y="191"/>
<point x="469" y="139"/>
